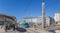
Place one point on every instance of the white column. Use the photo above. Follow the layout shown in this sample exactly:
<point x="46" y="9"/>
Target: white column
<point x="43" y="15"/>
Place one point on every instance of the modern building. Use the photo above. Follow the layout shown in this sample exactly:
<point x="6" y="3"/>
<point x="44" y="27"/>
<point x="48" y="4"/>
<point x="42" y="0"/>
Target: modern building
<point x="37" y="20"/>
<point x="5" y="19"/>
<point x="57" y="17"/>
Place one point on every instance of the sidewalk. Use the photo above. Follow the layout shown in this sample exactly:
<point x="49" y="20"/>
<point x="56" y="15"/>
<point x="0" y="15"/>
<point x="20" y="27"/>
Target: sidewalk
<point x="37" y="30"/>
<point x="2" y="29"/>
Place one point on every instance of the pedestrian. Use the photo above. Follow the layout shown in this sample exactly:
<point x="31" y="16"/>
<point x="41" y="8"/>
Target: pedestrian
<point x="13" y="27"/>
<point x="6" y="28"/>
<point x="34" y="26"/>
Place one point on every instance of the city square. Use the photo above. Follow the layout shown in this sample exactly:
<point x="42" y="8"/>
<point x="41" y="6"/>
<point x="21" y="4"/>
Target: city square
<point x="29" y="16"/>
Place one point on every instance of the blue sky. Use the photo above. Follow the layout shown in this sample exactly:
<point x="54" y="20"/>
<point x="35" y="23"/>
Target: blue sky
<point x="23" y="8"/>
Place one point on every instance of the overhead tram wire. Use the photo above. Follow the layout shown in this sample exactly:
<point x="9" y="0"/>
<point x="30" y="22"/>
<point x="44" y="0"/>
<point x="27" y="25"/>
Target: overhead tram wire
<point x="29" y="3"/>
<point x="27" y="7"/>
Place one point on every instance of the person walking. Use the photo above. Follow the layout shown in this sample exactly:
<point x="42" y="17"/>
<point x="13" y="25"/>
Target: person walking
<point x="6" y="28"/>
<point x="13" y="27"/>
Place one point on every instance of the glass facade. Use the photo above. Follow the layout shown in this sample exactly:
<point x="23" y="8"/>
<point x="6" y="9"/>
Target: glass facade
<point x="4" y="19"/>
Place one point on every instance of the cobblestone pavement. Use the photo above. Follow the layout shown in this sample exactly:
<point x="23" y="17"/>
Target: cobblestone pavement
<point x="30" y="30"/>
<point x="9" y="31"/>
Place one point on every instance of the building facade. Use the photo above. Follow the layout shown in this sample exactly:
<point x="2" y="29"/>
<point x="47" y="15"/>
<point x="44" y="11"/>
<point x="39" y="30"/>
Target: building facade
<point x="5" y="19"/>
<point x="37" y="20"/>
<point x="57" y="17"/>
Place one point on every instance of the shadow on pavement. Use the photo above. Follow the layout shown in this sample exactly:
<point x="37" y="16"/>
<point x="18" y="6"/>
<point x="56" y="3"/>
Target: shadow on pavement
<point x="21" y="29"/>
<point x="52" y="31"/>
